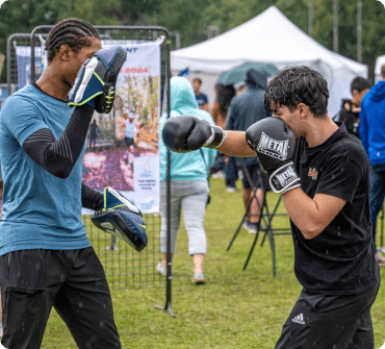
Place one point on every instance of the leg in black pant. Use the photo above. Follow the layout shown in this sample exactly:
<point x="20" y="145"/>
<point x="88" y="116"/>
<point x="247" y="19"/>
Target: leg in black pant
<point x="73" y="281"/>
<point x="84" y="303"/>
<point x="328" y="322"/>
<point x="25" y="299"/>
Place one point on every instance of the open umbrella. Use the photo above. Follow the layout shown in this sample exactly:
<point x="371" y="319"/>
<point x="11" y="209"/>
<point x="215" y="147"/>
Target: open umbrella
<point x="238" y="74"/>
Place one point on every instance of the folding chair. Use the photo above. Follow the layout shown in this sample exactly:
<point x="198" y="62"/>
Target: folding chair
<point x="265" y="217"/>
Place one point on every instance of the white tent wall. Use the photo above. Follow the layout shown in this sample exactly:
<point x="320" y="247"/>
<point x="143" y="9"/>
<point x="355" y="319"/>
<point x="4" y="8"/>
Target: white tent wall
<point x="380" y="61"/>
<point x="281" y="43"/>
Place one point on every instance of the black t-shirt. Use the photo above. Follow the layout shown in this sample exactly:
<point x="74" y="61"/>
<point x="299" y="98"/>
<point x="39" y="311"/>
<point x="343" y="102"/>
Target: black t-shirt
<point x="340" y="260"/>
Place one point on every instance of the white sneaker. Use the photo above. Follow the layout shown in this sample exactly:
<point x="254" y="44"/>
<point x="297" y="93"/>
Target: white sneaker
<point x="108" y="248"/>
<point x="253" y="228"/>
<point x="380" y="259"/>
<point x="161" y="269"/>
<point x="1" y="332"/>
<point x="230" y="190"/>
<point x="219" y="175"/>
<point x="198" y="278"/>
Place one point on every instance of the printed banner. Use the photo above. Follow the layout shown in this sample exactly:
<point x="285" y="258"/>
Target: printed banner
<point x="23" y="57"/>
<point x="122" y="147"/>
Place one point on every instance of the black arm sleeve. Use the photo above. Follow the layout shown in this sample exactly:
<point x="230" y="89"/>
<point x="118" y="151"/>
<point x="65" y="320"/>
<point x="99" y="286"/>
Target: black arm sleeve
<point x="91" y="199"/>
<point x="59" y="157"/>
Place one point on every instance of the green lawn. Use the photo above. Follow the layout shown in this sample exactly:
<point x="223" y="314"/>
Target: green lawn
<point x="235" y="309"/>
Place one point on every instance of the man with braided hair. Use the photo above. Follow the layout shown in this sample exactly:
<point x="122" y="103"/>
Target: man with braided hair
<point x="45" y="257"/>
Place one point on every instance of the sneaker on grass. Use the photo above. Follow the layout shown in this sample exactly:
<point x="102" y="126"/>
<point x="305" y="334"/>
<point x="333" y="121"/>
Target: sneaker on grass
<point x="219" y="175"/>
<point x="250" y="227"/>
<point x="161" y="269"/>
<point x="246" y="224"/>
<point x="253" y="228"/>
<point x="230" y="189"/>
<point x="198" y="278"/>
<point x="380" y="259"/>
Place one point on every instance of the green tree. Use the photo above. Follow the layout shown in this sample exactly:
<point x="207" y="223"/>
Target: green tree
<point x="21" y="16"/>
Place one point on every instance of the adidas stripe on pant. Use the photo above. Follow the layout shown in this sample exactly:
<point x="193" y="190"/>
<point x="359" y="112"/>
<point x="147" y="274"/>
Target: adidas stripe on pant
<point x="330" y="322"/>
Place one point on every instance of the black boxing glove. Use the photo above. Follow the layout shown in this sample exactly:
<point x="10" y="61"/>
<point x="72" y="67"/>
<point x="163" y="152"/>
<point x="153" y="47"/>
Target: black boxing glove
<point x="274" y="143"/>
<point x="186" y="133"/>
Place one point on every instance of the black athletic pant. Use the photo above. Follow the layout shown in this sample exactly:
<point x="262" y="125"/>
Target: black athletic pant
<point x="330" y="322"/>
<point x="73" y="281"/>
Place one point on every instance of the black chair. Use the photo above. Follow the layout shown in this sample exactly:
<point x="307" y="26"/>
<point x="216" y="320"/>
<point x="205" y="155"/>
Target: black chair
<point x="265" y="222"/>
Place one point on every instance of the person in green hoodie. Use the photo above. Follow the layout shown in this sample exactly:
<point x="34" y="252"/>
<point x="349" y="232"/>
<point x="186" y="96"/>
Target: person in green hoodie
<point x="189" y="183"/>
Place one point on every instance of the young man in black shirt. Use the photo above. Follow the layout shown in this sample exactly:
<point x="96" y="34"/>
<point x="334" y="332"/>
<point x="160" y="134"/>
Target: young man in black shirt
<point x="323" y="177"/>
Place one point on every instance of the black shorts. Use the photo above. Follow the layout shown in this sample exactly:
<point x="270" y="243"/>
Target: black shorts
<point x="128" y="141"/>
<point x="328" y="322"/>
<point x="73" y="282"/>
<point x="255" y="173"/>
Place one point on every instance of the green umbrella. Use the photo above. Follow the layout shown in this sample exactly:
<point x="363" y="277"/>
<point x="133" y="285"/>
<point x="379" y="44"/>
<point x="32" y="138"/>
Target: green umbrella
<point x="238" y="74"/>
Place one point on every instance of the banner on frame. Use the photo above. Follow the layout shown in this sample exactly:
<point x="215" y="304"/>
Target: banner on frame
<point x="122" y="147"/>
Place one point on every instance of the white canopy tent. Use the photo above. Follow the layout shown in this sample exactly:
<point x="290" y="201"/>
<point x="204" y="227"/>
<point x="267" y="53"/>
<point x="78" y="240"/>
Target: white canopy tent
<point x="272" y="38"/>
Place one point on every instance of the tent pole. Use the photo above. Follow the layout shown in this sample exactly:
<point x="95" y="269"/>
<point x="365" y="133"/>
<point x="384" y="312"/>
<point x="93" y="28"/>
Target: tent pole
<point x="310" y="20"/>
<point x="335" y="27"/>
<point x="359" y="30"/>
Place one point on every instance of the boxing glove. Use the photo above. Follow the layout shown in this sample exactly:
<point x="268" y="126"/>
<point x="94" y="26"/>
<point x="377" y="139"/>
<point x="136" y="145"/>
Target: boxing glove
<point x="186" y="133"/>
<point x="95" y="83"/>
<point x="274" y="143"/>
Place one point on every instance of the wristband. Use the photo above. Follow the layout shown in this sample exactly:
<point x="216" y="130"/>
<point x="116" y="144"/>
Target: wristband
<point x="216" y="139"/>
<point x="284" y="179"/>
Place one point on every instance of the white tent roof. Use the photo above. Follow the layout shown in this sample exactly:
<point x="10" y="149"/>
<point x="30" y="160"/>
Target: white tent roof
<point x="268" y="38"/>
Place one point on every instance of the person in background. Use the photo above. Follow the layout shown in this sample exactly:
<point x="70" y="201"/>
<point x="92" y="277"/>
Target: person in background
<point x="225" y="93"/>
<point x="351" y="108"/>
<point x="189" y="185"/>
<point x="240" y="88"/>
<point x="372" y="134"/>
<point x="222" y="104"/>
<point x="245" y="110"/>
<point x="200" y="97"/>
<point x="129" y="132"/>
<point x="94" y="130"/>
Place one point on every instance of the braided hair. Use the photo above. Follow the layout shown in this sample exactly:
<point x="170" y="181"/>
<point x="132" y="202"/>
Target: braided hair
<point x="73" y="32"/>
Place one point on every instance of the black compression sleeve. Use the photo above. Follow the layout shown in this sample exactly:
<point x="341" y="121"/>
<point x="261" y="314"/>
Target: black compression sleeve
<point x="91" y="199"/>
<point x="59" y="157"/>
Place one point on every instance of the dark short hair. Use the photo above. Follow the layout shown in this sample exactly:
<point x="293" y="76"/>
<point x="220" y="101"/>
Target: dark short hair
<point x="73" y="32"/>
<point x="225" y="94"/>
<point x="360" y="84"/>
<point x="292" y="86"/>
<point x="199" y="80"/>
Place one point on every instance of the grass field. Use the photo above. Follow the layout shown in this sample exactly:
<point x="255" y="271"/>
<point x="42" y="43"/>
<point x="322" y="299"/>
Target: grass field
<point x="235" y="309"/>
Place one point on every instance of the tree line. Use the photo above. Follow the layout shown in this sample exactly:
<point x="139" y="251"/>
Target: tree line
<point x="191" y="18"/>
